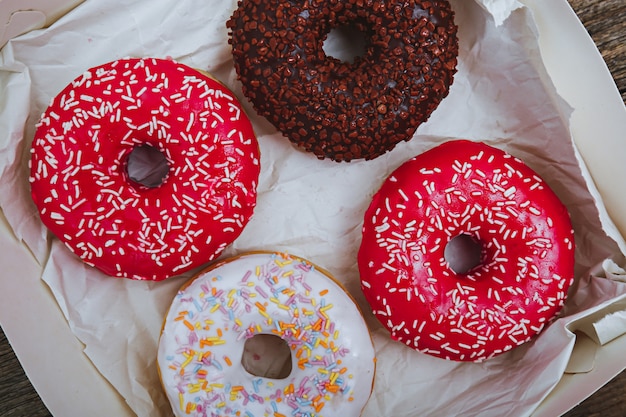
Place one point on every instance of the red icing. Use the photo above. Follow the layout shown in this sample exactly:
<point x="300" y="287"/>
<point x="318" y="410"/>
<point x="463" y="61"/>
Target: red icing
<point x="81" y="186"/>
<point x="527" y="259"/>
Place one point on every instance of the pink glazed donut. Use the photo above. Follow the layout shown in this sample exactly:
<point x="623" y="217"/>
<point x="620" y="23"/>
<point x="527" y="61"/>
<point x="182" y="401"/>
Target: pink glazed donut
<point x="79" y="168"/>
<point x="524" y="240"/>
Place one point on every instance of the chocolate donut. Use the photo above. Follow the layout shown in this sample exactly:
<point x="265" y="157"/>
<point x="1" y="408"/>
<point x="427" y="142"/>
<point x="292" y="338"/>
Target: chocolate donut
<point x="345" y="110"/>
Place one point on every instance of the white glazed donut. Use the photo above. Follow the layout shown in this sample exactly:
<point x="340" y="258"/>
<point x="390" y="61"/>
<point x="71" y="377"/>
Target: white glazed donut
<point x="201" y="348"/>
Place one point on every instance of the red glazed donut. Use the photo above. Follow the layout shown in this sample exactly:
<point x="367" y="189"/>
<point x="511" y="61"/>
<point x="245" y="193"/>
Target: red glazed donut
<point x="81" y="185"/>
<point x="522" y="232"/>
<point x="345" y="110"/>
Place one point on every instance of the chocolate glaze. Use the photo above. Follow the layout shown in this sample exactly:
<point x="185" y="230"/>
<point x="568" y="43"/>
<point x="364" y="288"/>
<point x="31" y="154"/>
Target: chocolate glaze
<point x="344" y="110"/>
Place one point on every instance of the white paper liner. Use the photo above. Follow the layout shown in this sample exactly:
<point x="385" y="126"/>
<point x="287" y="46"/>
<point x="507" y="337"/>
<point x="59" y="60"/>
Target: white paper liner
<point x="502" y="95"/>
<point x="609" y="327"/>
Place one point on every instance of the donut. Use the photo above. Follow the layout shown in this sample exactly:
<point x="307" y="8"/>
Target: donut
<point x="338" y="109"/>
<point x="490" y="201"/>
<point x="202" y="353"/>
<point x="79" y="168"/>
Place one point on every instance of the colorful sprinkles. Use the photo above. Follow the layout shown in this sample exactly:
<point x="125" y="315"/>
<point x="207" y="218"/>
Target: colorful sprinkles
<point x="526" y="243"/>
<point x="79" y="157"/>
<point x="202" y="341"/>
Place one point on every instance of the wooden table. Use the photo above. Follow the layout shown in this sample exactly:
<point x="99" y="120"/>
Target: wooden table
<point x="605" y="21"/>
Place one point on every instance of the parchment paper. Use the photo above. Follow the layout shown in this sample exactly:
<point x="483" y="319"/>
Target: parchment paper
<point x="502" y="95"/>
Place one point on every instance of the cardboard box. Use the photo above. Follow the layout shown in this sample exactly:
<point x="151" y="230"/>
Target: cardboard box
<point x="28" y="308"/>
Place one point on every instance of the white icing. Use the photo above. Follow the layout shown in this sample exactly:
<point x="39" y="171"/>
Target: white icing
<point x="202" y="342"/>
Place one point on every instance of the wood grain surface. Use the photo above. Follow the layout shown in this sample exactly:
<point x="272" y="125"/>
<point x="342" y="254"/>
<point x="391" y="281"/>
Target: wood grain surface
<point x="605" y="20"/>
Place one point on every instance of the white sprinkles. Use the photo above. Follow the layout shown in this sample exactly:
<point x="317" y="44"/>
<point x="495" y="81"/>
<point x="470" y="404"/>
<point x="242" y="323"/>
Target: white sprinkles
<point x="526" y="241"/>
<point x="80" y="184"/>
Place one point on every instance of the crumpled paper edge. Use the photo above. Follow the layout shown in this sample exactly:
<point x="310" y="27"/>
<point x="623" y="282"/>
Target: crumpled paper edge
<point x="500" y="10"/>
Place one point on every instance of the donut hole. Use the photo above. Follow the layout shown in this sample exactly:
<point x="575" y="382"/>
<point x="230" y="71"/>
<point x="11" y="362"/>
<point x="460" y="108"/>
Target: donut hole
<point x="267" y="356"/>
<point x="463" y="253"/>
<point x="346" y="43"/>
<point x="147" y="166"/>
